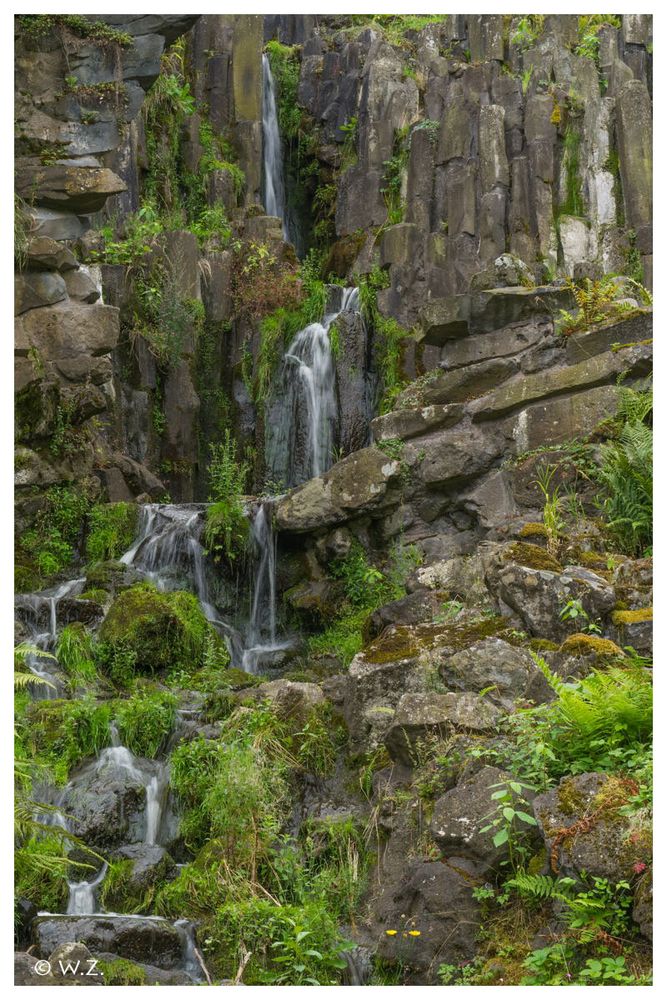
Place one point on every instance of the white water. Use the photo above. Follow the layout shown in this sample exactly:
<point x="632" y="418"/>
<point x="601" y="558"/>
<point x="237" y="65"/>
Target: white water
<point x="302" y="430"/>
<point x="274" y="184"/>
<point x="261" y="640"/>
<point x="83" y="896"/>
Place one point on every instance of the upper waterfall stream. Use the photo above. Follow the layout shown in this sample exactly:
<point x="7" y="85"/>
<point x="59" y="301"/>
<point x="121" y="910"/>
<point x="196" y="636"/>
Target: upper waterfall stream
<point x="272" y="167"/>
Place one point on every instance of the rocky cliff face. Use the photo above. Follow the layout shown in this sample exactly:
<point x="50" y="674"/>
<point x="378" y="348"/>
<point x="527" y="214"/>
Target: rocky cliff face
<point x="480" y="185"/>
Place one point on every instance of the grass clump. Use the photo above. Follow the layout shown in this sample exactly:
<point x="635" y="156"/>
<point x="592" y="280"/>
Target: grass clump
<point x="145" y="720"/>
<point x="75" y="652"/>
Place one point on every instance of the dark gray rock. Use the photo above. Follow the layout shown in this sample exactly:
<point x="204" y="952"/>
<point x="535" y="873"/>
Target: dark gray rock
<point x="422" y="716"/>
<point x="152" y="940"/>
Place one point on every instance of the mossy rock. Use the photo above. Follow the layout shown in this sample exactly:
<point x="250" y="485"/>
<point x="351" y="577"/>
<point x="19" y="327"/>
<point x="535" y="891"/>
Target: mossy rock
<point x="534" y="530"/>
<point x="542" y="646"/>
<point x="408" y="641"/>
<point x="157" y="630"/>
<point x="583" y="645"/>
<point x="122" y="972"/>
<point x="621" y="618"/>
<point x="106" y="575"/>
<point x="532" y="556"/>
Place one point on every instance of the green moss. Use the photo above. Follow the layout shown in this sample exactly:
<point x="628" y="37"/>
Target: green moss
<point x="621" y="618"/>
<point x="39" y="26"/>
<point x="571" y="800"/>
<point x="533" y="529"/>
<point x="63" y="733"/>
<point x="406" y="642"/>
<point x="95" y="594"/>
<point x="158" y="630"/>
<point x="105" y="575"/>
<point x="532" y="556"/>
<point x="580" y="644"/>
<point x="122" y="972"/>
<point x="111" y="531"/>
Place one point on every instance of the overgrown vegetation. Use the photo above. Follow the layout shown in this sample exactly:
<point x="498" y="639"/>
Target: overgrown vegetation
<point x="389" y="337"/>
<point x="226" y="531"/>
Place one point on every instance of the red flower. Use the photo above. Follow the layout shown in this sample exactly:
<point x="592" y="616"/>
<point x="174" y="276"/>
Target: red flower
<point x="639" y="867"/>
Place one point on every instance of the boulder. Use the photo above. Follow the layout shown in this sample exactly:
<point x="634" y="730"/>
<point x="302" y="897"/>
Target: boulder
<point x="598" y="370"/>
<point x="357" y="484"/>
<point x="585" y="831"/>
<point x="530" y="582"/>
<point x="78" y="189"/>
<point x="427" y="916"/>
<point x="46" y="254"/>
<point x="68" y="331"/>
<point x="152" y="940"/>
<point x="421" y="606"/>
<point x="460" y="815"/>
<point x="492" y="665"/>
<point x="427" y="715"/>
<point x="453" y="456"/>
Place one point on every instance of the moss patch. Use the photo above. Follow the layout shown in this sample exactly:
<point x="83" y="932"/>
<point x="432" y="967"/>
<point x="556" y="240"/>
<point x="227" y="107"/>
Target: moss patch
<point x="622" y="618"/>
<point x="533" y="530"/>
<point x="582" y="645"/>
<point x="532" y="556"/>
<point x="406" y="642"/>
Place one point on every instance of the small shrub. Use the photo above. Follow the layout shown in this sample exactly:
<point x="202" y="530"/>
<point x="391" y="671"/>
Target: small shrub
<point x="111" y="530"/>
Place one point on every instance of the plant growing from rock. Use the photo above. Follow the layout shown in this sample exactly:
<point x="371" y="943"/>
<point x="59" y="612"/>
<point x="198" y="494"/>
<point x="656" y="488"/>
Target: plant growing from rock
<point x="510" y="820"/>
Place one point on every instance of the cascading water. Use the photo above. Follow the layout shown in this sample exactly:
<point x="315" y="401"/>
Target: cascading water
<point x="83" y="895"/>
<point x="261" y="643"/>
<point x="274" y="184"/>
<point x="301" y="431"/>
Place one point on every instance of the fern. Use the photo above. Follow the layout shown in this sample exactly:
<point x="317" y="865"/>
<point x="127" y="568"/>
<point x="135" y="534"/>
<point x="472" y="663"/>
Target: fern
<point x="537" y="886"/>
<point x="627" y="475"/>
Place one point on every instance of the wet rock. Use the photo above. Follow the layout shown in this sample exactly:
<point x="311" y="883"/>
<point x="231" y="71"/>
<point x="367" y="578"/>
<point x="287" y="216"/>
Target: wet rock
<point x="584" y="831"/>
<point x="419" y="716"/>
<point x="319" y="599"/>
<point x="460" y="815"/>
<point x="151" y="865"/>
<point x="151" y="940"/>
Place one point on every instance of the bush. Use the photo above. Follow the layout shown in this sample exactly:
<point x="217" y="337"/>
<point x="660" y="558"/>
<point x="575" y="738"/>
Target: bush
<point x="145" y="721"/>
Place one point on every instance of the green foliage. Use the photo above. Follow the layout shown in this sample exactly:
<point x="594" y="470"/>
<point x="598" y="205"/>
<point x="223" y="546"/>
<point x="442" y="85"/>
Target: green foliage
<point x="510" y="819"/>
<point x="111" y="530"/>
<point x="572" y="203"/>
<point x="63" y="733"/>
<point x="626" y="474"/>
<point x="589" y="27"/>
<point x="551" y="513"/>
<point x="145" y="720"/>
<point x="286" y="67"/>
<point x="122" y="972"/>
<point x="389" y="337"/>
<point x="41" y="870"/>
<point x="75" y="653"/>
<point x="147" y="632"/>
<point x="22" y="226"/>
<point x="528" y="30"/>
<point x="52" y="541"/>
<point x="281" y="326"/>
<point x="226" y="531"/>
<point x="394" y="27"/>
<point x="38" y="26"/>
<point x="394" y="176"/>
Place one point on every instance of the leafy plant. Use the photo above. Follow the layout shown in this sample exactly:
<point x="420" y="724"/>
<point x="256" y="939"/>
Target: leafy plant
<point x="111" y="530"/>
<point x="574" y="610"/>
<point x="626" y="473"/>
<point x="75" y="652"/>
<point x="510" y="819"/>
<point x="551" y="514"/>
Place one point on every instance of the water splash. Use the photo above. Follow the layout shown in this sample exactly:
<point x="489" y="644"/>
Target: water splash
<point x="83" y="895"/>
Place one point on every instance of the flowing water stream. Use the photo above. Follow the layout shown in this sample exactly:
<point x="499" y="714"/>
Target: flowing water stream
<point x="301" y="431"/>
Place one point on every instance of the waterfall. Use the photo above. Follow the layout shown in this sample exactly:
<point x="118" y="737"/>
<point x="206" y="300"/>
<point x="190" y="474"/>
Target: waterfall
<point x="301" y="430"/>
<point x="261" y="639"/>
<point x="274" y="184"/>
<point x="82" y="895"/>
